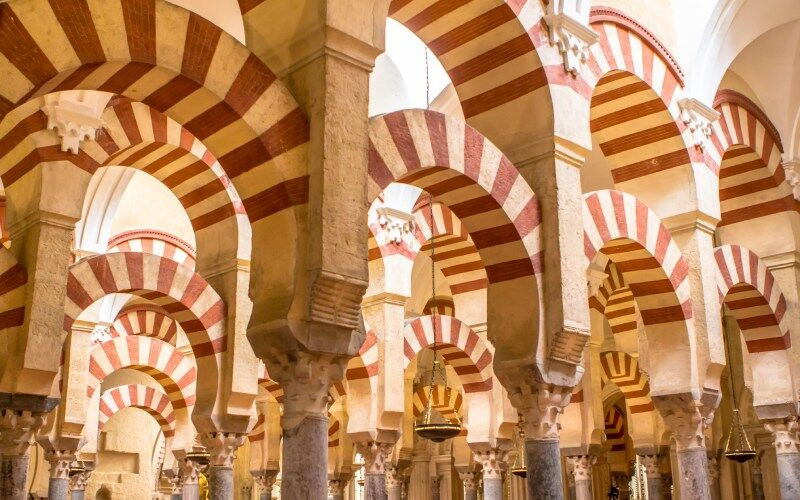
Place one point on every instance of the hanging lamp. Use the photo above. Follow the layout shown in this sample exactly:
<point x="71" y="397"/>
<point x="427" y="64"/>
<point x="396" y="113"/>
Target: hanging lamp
<point x="519" y="468"/>
<point x="737" y="446"/>
<point x="431" y="424"/>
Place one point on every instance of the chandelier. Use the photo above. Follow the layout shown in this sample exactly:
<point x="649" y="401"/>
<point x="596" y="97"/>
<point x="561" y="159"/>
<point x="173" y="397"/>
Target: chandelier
<point x="737" y="446"/>
<point x="431" y="424"/>
<point x="518" y="468"/>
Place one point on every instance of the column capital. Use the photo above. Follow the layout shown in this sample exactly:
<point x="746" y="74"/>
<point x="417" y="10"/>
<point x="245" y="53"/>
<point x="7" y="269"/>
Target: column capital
<point x="265" y="478"/>
<point x="792" y="172"/>
<point x="59" y="462"/>
<point x="77" y="482"/>
<point x="581" y="466"/>
<point x="470" y="479"/>
<point x="572" y="37"/>
<point x="75" y="115"/>
<point x="222" y="447"/>
<point x="189" y="472"/>
<point x="698" y="118"/>
<point x="785" y="435"/>
<point x="394" y="476"/>
<point x="540" y="405"/>
<point x="651" y="465"/>
<point x="375" y="456"/>
<point x="713" y="469"/>
<point x="18" y="430"/>
<point x="338" y="484"/>
<point x="493" y="462"/>
<point x="686" y="417"/>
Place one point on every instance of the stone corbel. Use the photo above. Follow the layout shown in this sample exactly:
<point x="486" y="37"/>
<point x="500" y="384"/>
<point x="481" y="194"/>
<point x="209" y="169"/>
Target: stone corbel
<point x="572" y="37"/>
<point x="75" y="116"/>
<point x="698" y="118"/>
<point x="792" y="170"/>
<point x="397" y="226"/>
<point x="336" y="300"/>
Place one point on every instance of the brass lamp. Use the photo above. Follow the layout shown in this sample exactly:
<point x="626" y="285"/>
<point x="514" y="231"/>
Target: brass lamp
<point x="519" y="468"/>
<point x="737" y="446"/>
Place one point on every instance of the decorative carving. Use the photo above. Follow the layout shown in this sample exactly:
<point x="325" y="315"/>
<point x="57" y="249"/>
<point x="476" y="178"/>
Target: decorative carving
<point x="568" y="343"/>
<point x="375" y="456"/>
<point x="59" y="462"/>
<point x="492" y="461"/>
<point x="470" y="480"/>
<point x="595" y="278"/>
<point x="394" y="476"/>
<point x="698" y="119"/>
<point x="222" y="447"/>
<point x="686" y="417"/>
<point x="337" y="487"/>
<point x="785" y="435"/>
<point x="74" y="116"/>
<point x="713" y="469"/>
<point x="539" y="404"/>
<point x="18" y="431"/>
<point x="305" y="378"/>
<point x="190" y="472"/>
<point x="581" y="466"/>
<point x="572" y="37"/>
<point x="336" y="300"/>
<point x="101" y="333"/>
<point x="397" y="226"/>
<point x="792" y="171"/>
<point x="651" y="464"/>
<point x="265" y="478"/>
<point x="77" y="482"/>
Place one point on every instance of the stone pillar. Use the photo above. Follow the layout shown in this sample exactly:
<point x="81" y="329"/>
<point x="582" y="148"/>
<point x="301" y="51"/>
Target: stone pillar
<point x="394" y="482"/>
<point x="77" y="484"/>
<point x="756" y="478"/>
<point x="375" y="457"/>
<point x="787" y="450"/>
<point x="222" y="448"/>
<point x="435" y="485"/>
<point x="265" y="478"/>
<point x="655" y="483"/>
<point x="470" y="480"/>
<point x="688" y="419"/>
<point x="493" y="463"/>
<point x="581" y="466"/>
<point x="713" y="478"/>
<point x="336" y="487"/>
<point x="190" y="479"/>
<point x="18" y="430"/>
<point x="58" y="487"/>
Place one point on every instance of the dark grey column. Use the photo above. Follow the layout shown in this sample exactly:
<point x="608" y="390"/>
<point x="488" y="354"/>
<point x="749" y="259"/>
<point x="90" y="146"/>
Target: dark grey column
<point x="58" y="486"/>
<point x="220" y="483"/>
<point x="305" y="459"/>
<point x="13" y="476"/>
<point x="375" y="456"/>
<point x="543" y="459"/>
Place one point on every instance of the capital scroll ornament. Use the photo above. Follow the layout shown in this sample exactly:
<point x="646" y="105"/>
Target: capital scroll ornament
<point x="493" y="462"/>
<point x="394" y="476"/>
<point x="375" y="456"/>
<point x="222" y="447"/>
<point x="190" y="472"/>
<point x="785" y="434"/>
<point x="581" y="466"/>
<point x="686" y="418"/>
<point x="77" y="482"/>
<point x="336" y="487"/>
<point x="540" y="405"/>
<point x="59" y="463"/>
<point x="470" y="480"/>
<point x="265" y="478"/>
<point x="572" y="37"/>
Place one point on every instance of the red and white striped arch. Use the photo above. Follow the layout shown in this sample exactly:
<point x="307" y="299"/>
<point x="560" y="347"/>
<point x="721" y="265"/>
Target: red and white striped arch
<point x="460" y="347"/>
<point x="636" y="85"/>
<point x="259" y="430"/>
<point x="623" y="370"/>
<point x="146" y="320"/>
<point x="334" y="431"/>
<point x="169" y="367"/>
<point x="467" y="173"/>
<point x="13" y="281"/>
<point x="151" y="400"/>
<point x="633" y="237"/>
<point x="747" y="152"/>
<point x="156" y="243"/>
<point x="184" y="294"/>
<point x="176" y="62"/>
<point x="615" y="436"/>
<point x="615" y="301"/>
<point x="749" y="290"/>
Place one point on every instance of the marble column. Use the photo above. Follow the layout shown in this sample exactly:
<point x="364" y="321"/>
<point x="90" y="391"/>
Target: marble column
<point x="190" y="479"/>
<point x="543" y="459"/>
<point x="265" y="478"/>
<point x="18" y="430"/>
<point x="58" y="486"/>
<point x="787" y="451"/>
<point x="757" y="479"/>
<point x="655" y="483"/>
<point x="688" y="419"/>
<point x="375" y="457"/>
<point x="435" y="485"/>
<point x="581" y="466"/>
<point x="221" y="447"/>
<point x="493" y="463"/>
<point x="337" y="487"/>
<point x="394" y="482"/>
<point x="470" y="480"/>
<point x="713" y="478"/>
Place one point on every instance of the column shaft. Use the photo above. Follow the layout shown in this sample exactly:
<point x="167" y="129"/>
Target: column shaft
<point x="13" y="477"/>
<point x="693" y="474"/>
<point x="191" y="491"/>
<point x="655" y="486"/>
<point x="305" y="459"/>
<point x="583" y="489"/>
<point x="81" y="494"/>
<point x="757" y="482"/>
<point x="493" y="488"/>
<point x="220" y="483"/>
<point x="543" y="459"/>
<point x="789" y="474"/>
<point x="58" y="488"/>
<point x="375" y="487"/>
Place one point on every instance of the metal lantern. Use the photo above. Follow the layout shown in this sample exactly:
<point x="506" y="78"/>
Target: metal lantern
<point x="737" y="446"/>
<point x="431" y="424"/>
<point x="519" y="468"/>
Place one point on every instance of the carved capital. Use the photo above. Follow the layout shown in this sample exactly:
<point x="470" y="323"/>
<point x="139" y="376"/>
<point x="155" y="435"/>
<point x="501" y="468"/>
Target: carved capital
<point x="18" y="430"/>
<point x="698" y="119"/>
<point x="470" y="480"/>
<point x="222" y="447"/>
<point x="572" y="37"/>
<point x="493" y="462"/>
<point x="785" y="435"/>
<point x="59" y="462"/>
<point x="394" y="476"/>
<point x="265" y="478"/>
<point x="540" y="406"/>
<point x="686" y="417"/>
<point x="74" y="116"/>
<point x="305" y="378"/>
<point x="397" y="227"/>
<point x="595" y="278"/>
<point x="190" y="472"/>
<point x="375" y="456"/>
<point x="568" y="343"/>
<point x="336" y="300"/>
<point x="337" y="487"/>
<point x="581" y="466"/>
<point x="713" y="469"/>
<point x="651" y="464"/>
<point x="791" y="169"/>
<point x="77" y="482"/>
